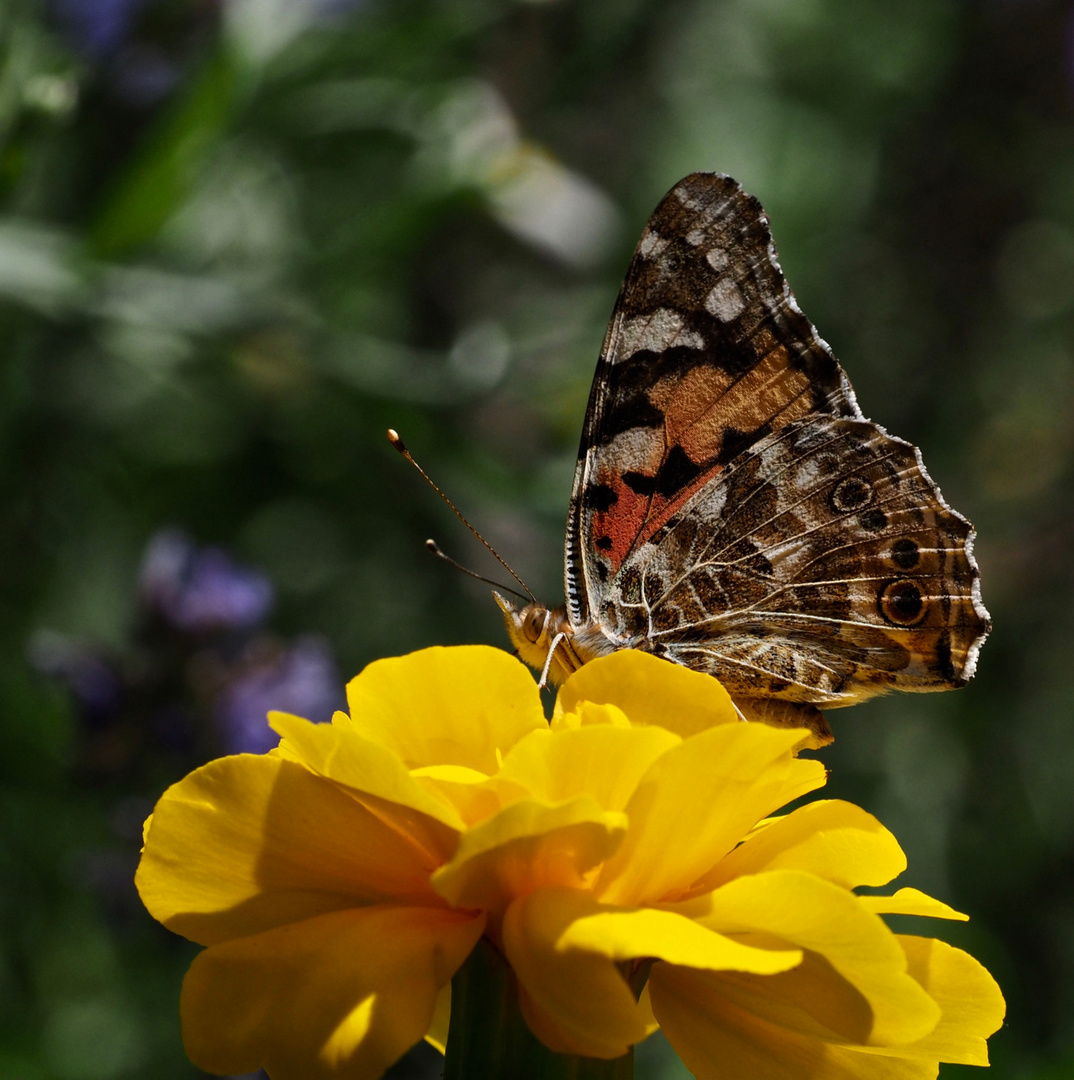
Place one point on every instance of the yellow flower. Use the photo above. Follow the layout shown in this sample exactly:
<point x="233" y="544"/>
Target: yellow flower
<point x="340" y="881"/>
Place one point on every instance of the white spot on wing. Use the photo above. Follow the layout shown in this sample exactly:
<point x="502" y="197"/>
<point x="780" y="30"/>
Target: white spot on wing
<point x="658" y="332"/>
<point x="651" y="244"/>
<point x="638" y="448"/>
<point x="695" y="237"/>
<point x="725" y="301"/>
<point x="717" y="259"/>
<point x="686" y="198"/>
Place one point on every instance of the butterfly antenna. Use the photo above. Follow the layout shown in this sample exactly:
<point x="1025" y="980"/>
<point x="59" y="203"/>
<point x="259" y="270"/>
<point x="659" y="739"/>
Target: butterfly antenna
<point x="434" y="547"/>
<point x="397" y="442"/>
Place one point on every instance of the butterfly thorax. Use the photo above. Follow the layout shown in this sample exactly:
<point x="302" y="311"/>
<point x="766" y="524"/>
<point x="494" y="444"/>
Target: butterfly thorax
<point x="537" y="632"/>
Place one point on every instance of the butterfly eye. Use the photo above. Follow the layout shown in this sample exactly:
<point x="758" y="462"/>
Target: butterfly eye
<point x="533" y="625"/>
<point x="901" y="603"/>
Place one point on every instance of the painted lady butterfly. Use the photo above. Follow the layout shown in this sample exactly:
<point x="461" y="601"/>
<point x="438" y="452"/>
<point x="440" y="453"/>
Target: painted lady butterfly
<point x="732" y="510"/>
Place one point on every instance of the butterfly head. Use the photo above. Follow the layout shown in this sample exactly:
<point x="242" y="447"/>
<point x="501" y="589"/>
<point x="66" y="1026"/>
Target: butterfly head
<point x="533" y="630"/>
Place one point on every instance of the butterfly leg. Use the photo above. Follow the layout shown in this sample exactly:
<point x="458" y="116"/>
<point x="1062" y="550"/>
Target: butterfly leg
<point x="556" y="642"/>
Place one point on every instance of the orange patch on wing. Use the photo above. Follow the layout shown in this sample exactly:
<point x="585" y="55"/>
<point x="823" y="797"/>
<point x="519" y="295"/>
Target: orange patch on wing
<point x="640" y="451"/>
<point x="623" y="522"/>
<point x="690" y="417"/>
<point x="701" y="405"/>
<point x="661" y="508"/>
<point x="773" y="388"/>
<point x="698" y="408"/>
<point x="634" y="518"/>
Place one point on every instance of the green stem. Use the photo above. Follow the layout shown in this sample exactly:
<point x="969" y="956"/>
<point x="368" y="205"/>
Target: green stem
<point x="489" y="1040"/>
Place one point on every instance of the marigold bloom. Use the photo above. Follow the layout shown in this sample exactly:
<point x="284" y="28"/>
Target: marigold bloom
<point x="340" y="880"/>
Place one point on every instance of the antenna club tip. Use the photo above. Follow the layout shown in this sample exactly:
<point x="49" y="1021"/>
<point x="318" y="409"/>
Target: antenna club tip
<point x="433" y="546"/>
<point x="396" y="441"/>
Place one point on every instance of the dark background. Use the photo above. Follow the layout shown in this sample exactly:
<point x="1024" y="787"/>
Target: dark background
<point x="239" y="241"/>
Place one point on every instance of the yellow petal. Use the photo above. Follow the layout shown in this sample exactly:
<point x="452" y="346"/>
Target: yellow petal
<point x="812" y="999"/>
<point x="438" y="1029"/>
<point x="972" y="1004"/>
<point x="440" y="706"/>
<point x="714" y="1032"/>
<point x="576" y="1002"/>
<point x="805" y="911"/>
<point x="449" y="774"/>
<point x="347" y="757"/>
<point x="250" y="842"/>
<point x="524" y="847"/>
<point x="696" y="802"/>
<point x="650" y="691"/>
<point x="833" y="839"/>
<point x="602" y="761"/>
<point x="717" y="1038"/>
<point x="589" y="714"/>
<point x="470" y="793"/>
<point x="648" y="933"/>
<point x="341" y="995"/>
<point x="911" y="902"/>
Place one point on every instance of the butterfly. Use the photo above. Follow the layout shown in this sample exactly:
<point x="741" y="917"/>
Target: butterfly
<point x="732" y="510"/>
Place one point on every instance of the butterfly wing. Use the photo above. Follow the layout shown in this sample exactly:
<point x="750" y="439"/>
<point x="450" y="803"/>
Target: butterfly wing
<point x="706" y="353"/>
<point x="732" y="509"/>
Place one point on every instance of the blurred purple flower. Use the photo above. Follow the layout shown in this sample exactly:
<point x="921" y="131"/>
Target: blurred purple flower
<point x="198" y="590"/>
<point x="96" y="687"/>
<point x="98" y="27"/>
<point x="301" y="679"/>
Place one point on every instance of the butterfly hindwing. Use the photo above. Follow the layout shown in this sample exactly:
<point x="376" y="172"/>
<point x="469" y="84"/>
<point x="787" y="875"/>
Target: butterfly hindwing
<point x="820" y="566"/>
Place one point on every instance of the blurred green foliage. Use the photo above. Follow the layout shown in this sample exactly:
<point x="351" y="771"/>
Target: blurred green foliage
<point x="238" y="241"/>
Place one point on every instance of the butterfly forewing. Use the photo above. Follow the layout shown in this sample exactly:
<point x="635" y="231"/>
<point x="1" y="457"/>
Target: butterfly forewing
<point x="707" y="352"/>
